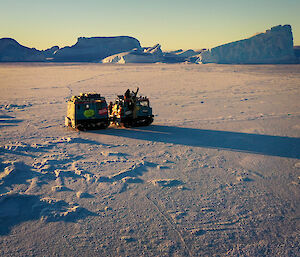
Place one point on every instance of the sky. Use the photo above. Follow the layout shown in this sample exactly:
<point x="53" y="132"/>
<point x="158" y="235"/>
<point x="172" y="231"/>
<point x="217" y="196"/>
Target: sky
<point x="175" y="24"/>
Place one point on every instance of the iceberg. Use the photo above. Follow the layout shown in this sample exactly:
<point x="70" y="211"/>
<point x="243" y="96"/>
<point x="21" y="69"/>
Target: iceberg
<point x="134" y="56"/>
<point x="95" y="48"/>
<point x="12" y="51"/>
<point x="272" y="47"/>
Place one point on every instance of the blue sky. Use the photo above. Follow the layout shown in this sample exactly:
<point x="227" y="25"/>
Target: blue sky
<point x="174" y="24"/>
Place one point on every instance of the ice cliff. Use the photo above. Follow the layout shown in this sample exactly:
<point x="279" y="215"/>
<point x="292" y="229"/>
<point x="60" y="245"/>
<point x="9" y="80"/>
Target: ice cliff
<point x="95" y="48"/>
<point x="273" y="46"/>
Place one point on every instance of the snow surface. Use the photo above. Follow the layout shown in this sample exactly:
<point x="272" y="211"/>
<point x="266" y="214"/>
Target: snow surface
<point x="218" y="172"/>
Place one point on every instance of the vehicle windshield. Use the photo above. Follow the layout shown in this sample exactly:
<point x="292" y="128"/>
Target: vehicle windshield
<point x="143" y="103"/>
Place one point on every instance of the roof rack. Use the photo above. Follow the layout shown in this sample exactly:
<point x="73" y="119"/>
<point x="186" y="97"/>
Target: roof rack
<point x="87" y="97"/>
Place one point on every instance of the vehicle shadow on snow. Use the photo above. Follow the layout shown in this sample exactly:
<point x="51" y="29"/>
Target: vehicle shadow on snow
<point x="226" y="140"/>
<point x="6" y="120"/>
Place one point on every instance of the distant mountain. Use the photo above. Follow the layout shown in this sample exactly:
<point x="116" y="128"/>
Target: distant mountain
<point x="95" y="48"/>
<point x="12" y="51"/>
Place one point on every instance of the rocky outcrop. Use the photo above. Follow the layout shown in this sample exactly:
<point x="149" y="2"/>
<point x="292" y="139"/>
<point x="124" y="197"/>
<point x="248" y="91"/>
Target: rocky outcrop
<point x="95" y="48"/>
<point x="12" y="51"/>
<point x="273" y="46"/>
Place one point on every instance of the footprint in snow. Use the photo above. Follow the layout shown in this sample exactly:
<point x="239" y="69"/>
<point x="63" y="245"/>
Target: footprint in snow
<point x="167" y="182"/>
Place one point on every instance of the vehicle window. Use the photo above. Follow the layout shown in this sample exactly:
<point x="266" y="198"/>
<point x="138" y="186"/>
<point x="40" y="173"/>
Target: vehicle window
<point x="99" y="106"/>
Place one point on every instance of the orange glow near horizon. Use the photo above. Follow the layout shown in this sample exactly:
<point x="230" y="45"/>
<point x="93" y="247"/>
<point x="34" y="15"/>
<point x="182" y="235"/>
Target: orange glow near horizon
<point x="175" y="25"/>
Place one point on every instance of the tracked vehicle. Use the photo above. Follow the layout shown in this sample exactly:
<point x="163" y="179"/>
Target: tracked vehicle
<point x="87" y="111"/>
<point x="130" y="110"/>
